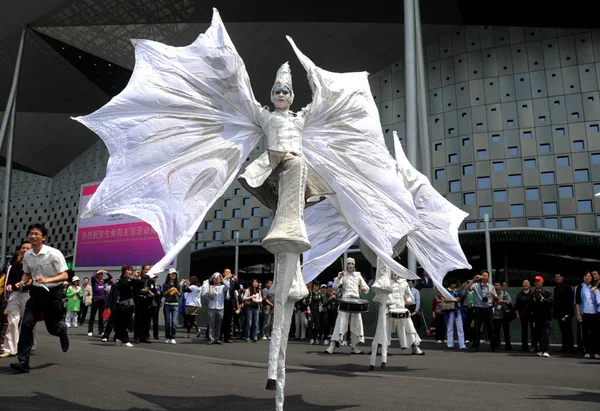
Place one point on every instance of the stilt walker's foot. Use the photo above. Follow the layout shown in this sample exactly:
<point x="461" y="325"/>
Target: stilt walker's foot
<point x="271" y="385"/>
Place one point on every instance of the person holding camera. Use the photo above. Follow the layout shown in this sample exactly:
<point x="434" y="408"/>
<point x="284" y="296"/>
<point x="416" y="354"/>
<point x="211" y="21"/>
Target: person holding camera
<point x="483" y="301"/>
<point x="542" y="316"/>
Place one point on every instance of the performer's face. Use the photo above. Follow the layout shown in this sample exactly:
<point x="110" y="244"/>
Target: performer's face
<point x="282" y="98"/>
<point x="350" y="266"/>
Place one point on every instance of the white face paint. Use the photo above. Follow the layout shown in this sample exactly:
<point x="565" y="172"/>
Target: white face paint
<point x="350" y="266"/>
<point x="281" y="98"/>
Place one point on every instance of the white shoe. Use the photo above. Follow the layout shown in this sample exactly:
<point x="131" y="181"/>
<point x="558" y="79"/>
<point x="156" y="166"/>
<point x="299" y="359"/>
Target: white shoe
<point x="481" y="341"/>
<point x="90" y="335"/>
<point x="119" y="342"/>
<point x="547" y="355"/>
<point x="326" y="342"/>
<point x="167" y="341"/>
<point x="343" y="343"/>
<point x="312" y="342"/>
<point x="597" y="356"/>
<point x="68" y="325"/>
<point x="264" y="337"/>
<point x="104" y="339"/>
<point x="417" y="351"/>
<point x="173" y="341"/>
<point x="540" y="354"/>
<point x="467" y="341"/>
<point x="438" y="341"/>
<point x="128" y="344"/>
<point x="330" y="349"/>
<point x="587" y="356"/>
<point x="355" y="350"/>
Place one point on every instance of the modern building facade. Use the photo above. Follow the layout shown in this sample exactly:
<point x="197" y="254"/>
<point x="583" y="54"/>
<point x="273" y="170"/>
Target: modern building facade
<point x="514" y="133"/>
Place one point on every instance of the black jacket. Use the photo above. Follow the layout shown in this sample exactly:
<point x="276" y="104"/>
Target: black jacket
<point x="542" y="307"/>
<point x="563" y="301"/>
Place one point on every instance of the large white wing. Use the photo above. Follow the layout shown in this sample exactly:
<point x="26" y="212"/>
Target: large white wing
<point x="177" y="135"/>
<point x="436" y="246"/>
<point x="344" y="144"/>
<point x="329" y="236"/>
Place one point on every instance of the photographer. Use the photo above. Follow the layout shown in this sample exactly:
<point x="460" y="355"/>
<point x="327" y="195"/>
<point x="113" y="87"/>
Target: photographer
<point x="542" y="316"/>
<point x="483" y="300"/>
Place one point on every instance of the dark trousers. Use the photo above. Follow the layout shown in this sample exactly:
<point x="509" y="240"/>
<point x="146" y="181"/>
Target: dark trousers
<point x="227" y="321"/>
<point x="122" y="321"/>
<point x="154" y="311"/>
<point x="468" y="330"/>
<point x="143" y="314"/>
<point x="541" y="330"/>
<point x="440" y="328"/>
<point x="566" y="333"/>
<point x="108" y="327"/>
<point x="97" y="307"/>
<point x="314" y="326"/>
<point x="483" y="318"/>
<point x="417" y="321"/>
<point x="589" y="332"/>
<point x="505" y="325"/>
<point x="82" y="314"/>
<point x="527" y="327"/>
<point x="48" y="303"/>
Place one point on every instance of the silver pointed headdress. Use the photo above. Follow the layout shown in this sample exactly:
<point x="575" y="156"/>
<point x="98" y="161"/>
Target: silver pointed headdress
<point x="283" y="79"/>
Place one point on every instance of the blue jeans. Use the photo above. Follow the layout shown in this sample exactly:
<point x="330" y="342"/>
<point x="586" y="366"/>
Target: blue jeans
<point x="171" y="313"/>
<point x="251" y="323"/>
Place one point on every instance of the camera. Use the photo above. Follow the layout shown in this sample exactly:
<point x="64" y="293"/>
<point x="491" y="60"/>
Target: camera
<point x="484" y="299"/>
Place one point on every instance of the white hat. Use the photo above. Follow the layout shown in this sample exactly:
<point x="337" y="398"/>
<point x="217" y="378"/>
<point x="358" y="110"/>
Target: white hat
<point x="172" y="270"/>
<point x="217" y="274"/>
<point x="75" y="279"/>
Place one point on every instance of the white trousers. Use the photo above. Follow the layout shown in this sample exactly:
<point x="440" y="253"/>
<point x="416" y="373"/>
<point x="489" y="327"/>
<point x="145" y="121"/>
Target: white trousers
<point x="452" y="319"/>
<point x="15" y="308"/>
<point x="71" y="318"/>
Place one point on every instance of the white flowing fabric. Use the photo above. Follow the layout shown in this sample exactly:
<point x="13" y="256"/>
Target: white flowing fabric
<point x="344" y="143"/>
<point x="436" y="246"/>
<point x="177" y="135"/>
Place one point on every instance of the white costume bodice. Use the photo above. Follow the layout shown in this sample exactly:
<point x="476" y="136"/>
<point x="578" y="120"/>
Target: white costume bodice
<point x="284" y="131"/>
<point x="400" y="296"/>
<point x="351" y="284"/>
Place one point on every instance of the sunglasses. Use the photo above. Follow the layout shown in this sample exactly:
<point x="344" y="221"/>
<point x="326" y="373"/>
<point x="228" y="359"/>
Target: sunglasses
<point x="281" y="91"/>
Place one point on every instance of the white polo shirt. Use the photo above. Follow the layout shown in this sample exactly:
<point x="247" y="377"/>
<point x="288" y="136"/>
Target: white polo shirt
<point x="48" y="263"/>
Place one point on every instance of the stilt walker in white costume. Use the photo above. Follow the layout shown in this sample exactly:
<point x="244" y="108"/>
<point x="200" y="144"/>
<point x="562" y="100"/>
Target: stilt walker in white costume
<point x="179" y="134"/>
<point x="352" y="284"/>
<point x="394" y="317"/>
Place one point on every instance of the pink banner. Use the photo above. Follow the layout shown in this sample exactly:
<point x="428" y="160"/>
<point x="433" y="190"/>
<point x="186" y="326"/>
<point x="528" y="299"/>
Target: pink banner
<point x="114" y="240"/>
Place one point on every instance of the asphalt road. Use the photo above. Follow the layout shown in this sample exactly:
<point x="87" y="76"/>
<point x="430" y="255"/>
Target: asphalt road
<point x="194" y="376"/>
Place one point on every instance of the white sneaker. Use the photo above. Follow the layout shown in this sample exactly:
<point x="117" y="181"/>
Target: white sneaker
<point x="343" y="343"/>
<point x="128" y="344"/>
<point x="119" y="342"/>
<point x="467" y="341"/>
<point x="326" y="342"/>
<point x="312" y="342"/>
<point x="167" y="341"/>
<point x="90" y="335"/>
<point x="438" y="341"/>
<point x="68" y="325"/>
<point x="264" y="337"/>
<point x="587" y="356"/>
<point x="547" y="355"/>
<point x="330" y="349"/>
<point x="540" y="354"/>
<point x="104" y="339"/>
<point x="75" y="326"/>
<point x="173" y="341"/>
<point x="355" y="350"/>
<point x="417" y="351"/>
<point x="597" y="356"/>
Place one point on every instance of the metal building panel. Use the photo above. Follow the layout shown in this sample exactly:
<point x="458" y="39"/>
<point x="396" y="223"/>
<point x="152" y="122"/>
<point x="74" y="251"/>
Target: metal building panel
<point x="459" y="42"/>
<point x="504" y="60"/>
<point x="477" y="92"/>
<point x="558" y="109"/>
<point x="474" y="65"/>
<point x="574" y="108"/>
<point x="436" y="127"/>
<point x="387" y="113"/>
<point x="461" y="68"/>
<point x="450" y="124"/>
<point x="587" y="77"/>
<point x="490" y="64"/>
<point x="447" y="66"/>
<point x="445" y="46"/>
<point x="522" y="86"/>
<point x="547" y="33"/>
<point x="399" y="109"/>
<point x="516" y="35"/>
<point x="398" y="84"/>
<point x="436" y="104"/>
<point x="479" y="120"/>
<point x="561" y="143"/>
<point x="584" y="48"/>
<point x="525" y="112"/>
<point x="434" y="74"/>
<point x="516" y="195"/>
<point x="568" y="54"/>
<point x="596" y="44"/>
<point x="538" y="84"/>
<point x="502" y="35"/>
<point x="492" y="90"/>
<point x="519" y="58"/>
<point x="497" y="147"/>
<point x="571" y="80"/>
<point x="587" y="222"/>
<point x="510" y="116"/>
<point x="483" y="169"/>
<point x="467" y="155"/>
<point x="532" y="34"/>
<point x="386" y="87"/>
<point x="563" y="175"/>
<point x="554" y="81"/>
<point x="551" y="53"/>
<point x="463" y="96"/>
<point x="544" y="135"/>
<point x="494" y="117"/>
<point x="374" y="84"/>
<point x="528" y="140"/>
<point x="472" y="38"/>
<point x="535" y="57"/>
<point x="546" y="163"/>
<point x="507" y="88"/>
<point x="531" y="178"/>
<point x="432" y="51"/>
<point x="487" y="37"/>
<point x="465" y="124"/>
<point x="449" y="98"/>
<point x="591" y="105"/>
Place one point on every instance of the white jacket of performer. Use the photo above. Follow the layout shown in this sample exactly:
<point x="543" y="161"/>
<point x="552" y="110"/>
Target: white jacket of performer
<point x="396" y="303"/>
<point x="351" y="282"/>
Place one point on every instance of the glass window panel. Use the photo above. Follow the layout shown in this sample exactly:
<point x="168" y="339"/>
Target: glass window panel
<point x="513" y="151"/>
<point x="470" y="225"/>
<point x="500" y="196"/>
<point x="227" y="202"/>
<point x="568" y="223"/>
<point x="226" y="223"/>
<point x="264" y="222"/>
<point x="530" y="163"/>
<point x="485" y="210"/>
<point x="453" y="158"/>
<point x="496" y="138"/>
<point x="208" y="225"/>
<point x="547" y="177"/>
<point x="582" y="174"/>
<point x="237" y="191"/>
<point x="245" y="223"/>
<point x="246" y="201"/>
<point x="517" y="210"/>
<point x="440" y="173"/>
<point x="454" y="186"/>
<point x="562" y="161"/>
<point x="466" y="141"/>
<point x="218" y="214"/>
<point x="482" y="153"/>
<point x="502" y="224"/>
<point x="255" y="211"/>
<point x="438" y="147"/>
<point x="483" y="182"/>
<point x="469" y="198"/>
<point x="544" y="148"/>
<point x="534" y="222"/>
<point x="468" y="170"/>
<point x="551" y="222"/>
<point x="498" y="166"/>
<point x="532" y="194"/>
<point x="596" y="158"/>
<point x="584" y="206"/>
<point x="578" y="145"/>
<point x="254" y="233"/>
<point x="237" y="213"/>
<point x="550" y="208"/>
<point x="515" y="180"/>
